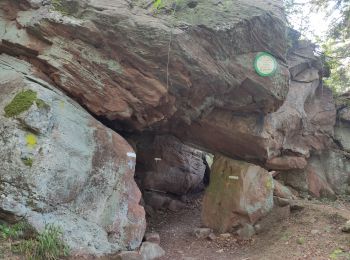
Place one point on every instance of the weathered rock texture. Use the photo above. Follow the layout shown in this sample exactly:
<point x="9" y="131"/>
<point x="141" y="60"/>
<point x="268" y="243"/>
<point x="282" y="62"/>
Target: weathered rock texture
<point x="327" y="172"/>
<point x="116" y="59"/>
<point x="165" y="164"/>
<point x="60" y="166"/>
<point x="305" y="121"/>
<point x="238" y="193"/>
<point x="140" y="70"/>
<point x="112" y="57"/>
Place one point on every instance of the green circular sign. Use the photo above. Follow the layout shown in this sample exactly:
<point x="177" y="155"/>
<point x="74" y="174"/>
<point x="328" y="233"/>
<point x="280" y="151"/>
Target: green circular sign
<point x="265" y="64"/>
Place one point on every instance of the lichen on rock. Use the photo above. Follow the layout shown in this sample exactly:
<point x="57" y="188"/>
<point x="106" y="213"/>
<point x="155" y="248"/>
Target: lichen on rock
<point x="31" y="140"/>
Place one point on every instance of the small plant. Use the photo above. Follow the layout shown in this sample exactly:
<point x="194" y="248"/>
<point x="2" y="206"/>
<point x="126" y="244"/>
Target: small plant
<point x="286" y="235"/>
<point x="339" y="253"/>
<point x="28" y="162"/>
<point x="301" y="241"/>
<point x="45" y="246"/>
<point x="41" y="104"/>
<point x="12" y="232"/>
<point x="58" y="6"/>
<point x="157" y="4"/>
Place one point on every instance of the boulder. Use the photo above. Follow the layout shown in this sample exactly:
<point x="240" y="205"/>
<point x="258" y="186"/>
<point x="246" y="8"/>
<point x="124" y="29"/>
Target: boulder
<point x="61" y="166"/>
<point x="127" y="255"/>
<point x="158" y="200"/>
<point x="246" y="232"/>
<point x="152" y="237"/>
<point x="281" y="202"/>
<point x="346" y="227"/>
<point x="286" y="163"/>
<point x="176" y="205"/>
<point x="165" y="164"/>
<point x="202" y="232"/>
<point x="239" y="193"/>
<point x="282" y="191"/>
<point x="151" y="251"/>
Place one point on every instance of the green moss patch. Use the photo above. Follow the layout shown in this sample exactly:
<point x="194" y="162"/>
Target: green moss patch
<point x="20" y="103"/>
<point x="41" y="104"/>
<point x="28" y="162"/>
<point x="65" y="7"/>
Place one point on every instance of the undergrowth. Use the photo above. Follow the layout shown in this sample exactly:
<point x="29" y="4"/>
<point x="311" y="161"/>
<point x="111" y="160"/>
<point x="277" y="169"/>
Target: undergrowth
<point x="46" y="245"/>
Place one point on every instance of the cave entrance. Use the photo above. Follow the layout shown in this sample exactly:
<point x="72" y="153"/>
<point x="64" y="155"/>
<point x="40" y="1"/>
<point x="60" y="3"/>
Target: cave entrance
<point x="170" y="173"/>
<point x="172" y="177"/>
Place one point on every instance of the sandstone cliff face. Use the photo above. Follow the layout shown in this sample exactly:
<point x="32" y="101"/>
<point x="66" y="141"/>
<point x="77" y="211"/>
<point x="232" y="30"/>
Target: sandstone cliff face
<point x="188" y="75"/>
<point x="328" y="169"/>
<point x="305" y="122"/>
<point x="112" y="57"/>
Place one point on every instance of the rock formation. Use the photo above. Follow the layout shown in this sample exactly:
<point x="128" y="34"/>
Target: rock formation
<point x="112" y="57"/>
<point x="328" y="170"/>
<point x="239" y="193"/>
<point x="61" y="166"/>
<point x="185" y="70"/>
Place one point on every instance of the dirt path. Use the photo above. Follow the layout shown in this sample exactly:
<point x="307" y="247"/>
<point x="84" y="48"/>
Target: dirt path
<point x="312" y="233"/>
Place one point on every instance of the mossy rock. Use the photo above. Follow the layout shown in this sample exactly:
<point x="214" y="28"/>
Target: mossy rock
<point x="41" y="104"/>
<point x="20" y="103"/>
<point x="65" y="7"/>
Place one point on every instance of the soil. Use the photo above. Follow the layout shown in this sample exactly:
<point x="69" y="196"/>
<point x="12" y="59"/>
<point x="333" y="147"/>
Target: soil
<point x="313" y="232"/>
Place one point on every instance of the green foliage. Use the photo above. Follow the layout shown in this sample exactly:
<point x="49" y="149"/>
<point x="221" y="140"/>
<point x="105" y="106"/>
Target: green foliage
<point x="335" y="45"/>
<point x="170" y="5"/>
<point x="339" y="79"/>
<point x="41" y="104"/>
<point x="339" y="253"/>
<point x="28" y="161"/>
<point x="20" y="103"/>
<point x="286" y="236"/>
<point x="46" y="246"/>
<point x="59" y="7"/>
<point x="300" y="241"/>
<point x="339" y="10"/>
<point x="157" y="4"/>
<point x="12" y="232"/>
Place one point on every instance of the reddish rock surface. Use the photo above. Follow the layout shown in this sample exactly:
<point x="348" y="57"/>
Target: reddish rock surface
<point x="282" y="191"/>
<point x="239" y="193"/>
<point x="286" y="163"/>
<point x="326" y="174"/>
<point x="112" y="57"/>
